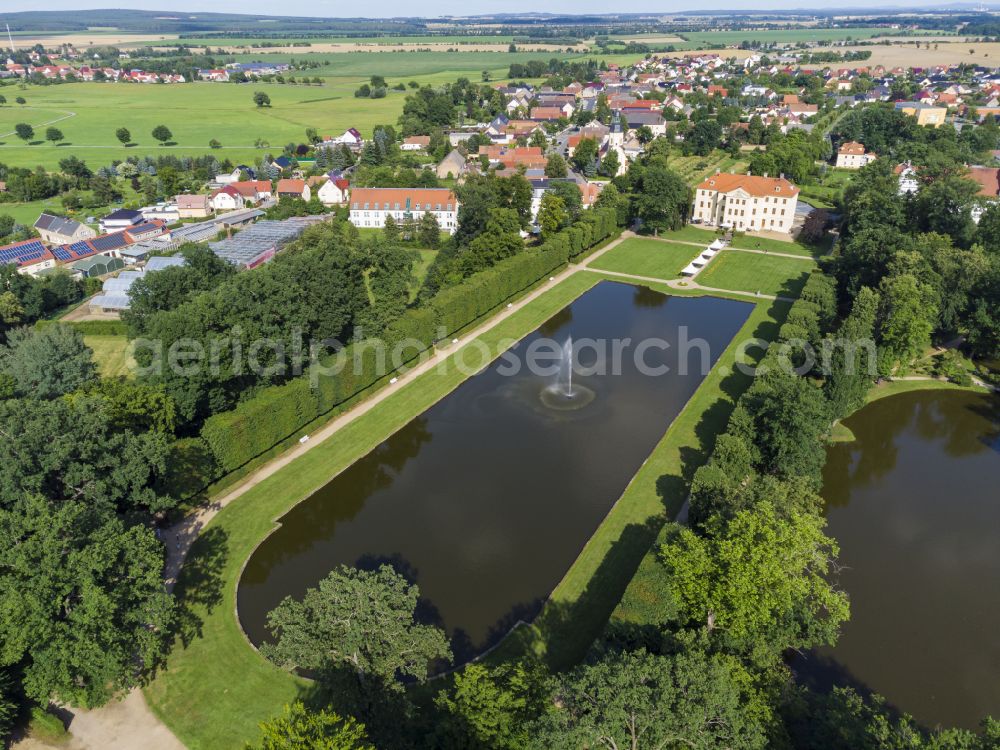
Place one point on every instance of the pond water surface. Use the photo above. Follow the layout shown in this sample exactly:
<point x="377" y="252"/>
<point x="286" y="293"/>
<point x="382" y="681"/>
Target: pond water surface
<point x="915" y="504"/>
<point x="487" y="498"/>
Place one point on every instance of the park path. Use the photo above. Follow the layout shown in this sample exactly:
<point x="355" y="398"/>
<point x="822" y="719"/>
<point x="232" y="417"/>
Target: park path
<point x="688" y="285"/>
<point x="66" y="116"/>
<point x="129" y="723"/>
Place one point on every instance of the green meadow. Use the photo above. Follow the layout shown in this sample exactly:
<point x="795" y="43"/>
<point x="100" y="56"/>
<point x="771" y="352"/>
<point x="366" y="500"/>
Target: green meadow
<point x="199" y="112"/>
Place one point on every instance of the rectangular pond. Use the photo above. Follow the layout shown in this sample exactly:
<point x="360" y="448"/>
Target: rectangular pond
<point x="486" y="499"/>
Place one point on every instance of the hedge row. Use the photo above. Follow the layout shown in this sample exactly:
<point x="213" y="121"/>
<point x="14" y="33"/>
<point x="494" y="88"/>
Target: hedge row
<point x="277" y="412"/>
<point x="91" y="327"/>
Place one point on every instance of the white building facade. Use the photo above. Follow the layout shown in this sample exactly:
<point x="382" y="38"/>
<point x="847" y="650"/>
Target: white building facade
<point x="371" y="206"/>
<point x="746" y="203"/>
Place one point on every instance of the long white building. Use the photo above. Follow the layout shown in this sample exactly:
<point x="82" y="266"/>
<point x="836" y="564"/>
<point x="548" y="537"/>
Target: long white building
<point x="371" y="206"/>
<point x="746" y="203"/>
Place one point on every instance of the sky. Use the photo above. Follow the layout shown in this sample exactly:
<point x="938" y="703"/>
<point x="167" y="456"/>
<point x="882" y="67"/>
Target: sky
<point x="390" y="8"/>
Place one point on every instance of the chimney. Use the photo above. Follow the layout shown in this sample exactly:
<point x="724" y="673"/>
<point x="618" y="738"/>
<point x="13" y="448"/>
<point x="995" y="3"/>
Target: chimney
<point x="781" y="176"/>
<point x="765" y="174"/>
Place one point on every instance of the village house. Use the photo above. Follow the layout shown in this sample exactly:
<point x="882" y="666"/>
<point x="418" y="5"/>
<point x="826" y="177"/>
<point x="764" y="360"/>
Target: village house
<point x="925" y="114"/>
<point x="193" y="206"/>
<point x="293" y="189"/>
<point x="30" y="256"/>
<point x="121" y="219"/>
<point x="58" y="230"/>
<point x="416" y="143"/>
<point x="907" y="176"/>
<point x="371" y="206"/>
<point x="350" y="138"/>
<point x="451" y="166"/>
<point x="852" y="155"/>
<point x="334" y="191"/>
<point x="746" y="202"/>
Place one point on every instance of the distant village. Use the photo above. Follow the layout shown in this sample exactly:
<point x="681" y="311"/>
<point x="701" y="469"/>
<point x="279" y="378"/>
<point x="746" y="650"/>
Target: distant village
<point x="644" y="100"/>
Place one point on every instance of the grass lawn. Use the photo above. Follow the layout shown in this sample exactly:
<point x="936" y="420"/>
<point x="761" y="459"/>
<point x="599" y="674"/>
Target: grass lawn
<point x="420" y="268"/>
<point x="749" y="242"/>
<point x="752" y="272"/>
<point x="690" y="233"/>
<point x="112" y="355"/>
<point x="645" y="257"/>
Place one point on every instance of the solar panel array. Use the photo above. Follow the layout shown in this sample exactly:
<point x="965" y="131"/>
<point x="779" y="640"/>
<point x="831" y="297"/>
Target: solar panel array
<point x="77" y="250"/>
<point x="109" y="242"/>
<point x="23" y="253"/>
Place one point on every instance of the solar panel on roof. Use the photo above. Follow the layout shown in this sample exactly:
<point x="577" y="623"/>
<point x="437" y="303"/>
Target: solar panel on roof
<point x="109" y="241"/>
<point x="22" y="253"/>
<point x="67" y="252"/>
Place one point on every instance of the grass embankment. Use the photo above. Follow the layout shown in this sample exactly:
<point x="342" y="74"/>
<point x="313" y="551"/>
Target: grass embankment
<point x="216" y="689"/>
<point x="647" y="257"/>
<point x="754" y="272"/>
<point x="581" y="604"/>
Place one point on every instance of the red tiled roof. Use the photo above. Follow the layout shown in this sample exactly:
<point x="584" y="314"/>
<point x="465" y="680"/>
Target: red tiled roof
<point x="752" y="184"/>
<point x="404" y="197"/>
<point x="852" y="148"/>
<point x="988" y="179"/>
<point x="291" y="187"/>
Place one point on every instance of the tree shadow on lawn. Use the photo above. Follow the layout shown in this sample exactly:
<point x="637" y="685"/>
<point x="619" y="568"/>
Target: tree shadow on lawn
<point x="567" y="629"/>
<point x="199" y="588"/>
<point x="792" y="287"/>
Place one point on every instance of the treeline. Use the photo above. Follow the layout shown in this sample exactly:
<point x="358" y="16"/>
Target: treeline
<point x="25" y="299"/>
<point x="936" y="270"/>
<point x="576" y="70"/>
<point x="428" y="109"/>
<point x="82" y="460"/>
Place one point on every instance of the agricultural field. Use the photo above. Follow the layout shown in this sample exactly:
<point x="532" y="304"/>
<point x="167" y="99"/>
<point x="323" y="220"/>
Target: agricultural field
<point x="646" y="257"/>
<point x="791" y="36"/>
<point x="908" y="54"/>
<point x="199" y="112"/>
<point x="753" y="272"/>
<point x="223" y="41"/>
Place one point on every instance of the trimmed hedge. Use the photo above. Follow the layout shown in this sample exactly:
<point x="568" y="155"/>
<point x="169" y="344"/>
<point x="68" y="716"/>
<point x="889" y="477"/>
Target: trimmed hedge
<point x="91" y="327"/>
<point x="276" y="413"/>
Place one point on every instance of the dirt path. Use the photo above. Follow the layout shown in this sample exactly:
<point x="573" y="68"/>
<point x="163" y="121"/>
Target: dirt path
<point x="129" y="724"/>
<point x="67" y="114"/>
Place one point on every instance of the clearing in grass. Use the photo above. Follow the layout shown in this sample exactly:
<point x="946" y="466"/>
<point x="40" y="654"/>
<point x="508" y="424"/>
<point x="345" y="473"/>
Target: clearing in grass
<point x="112" y="355"/>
